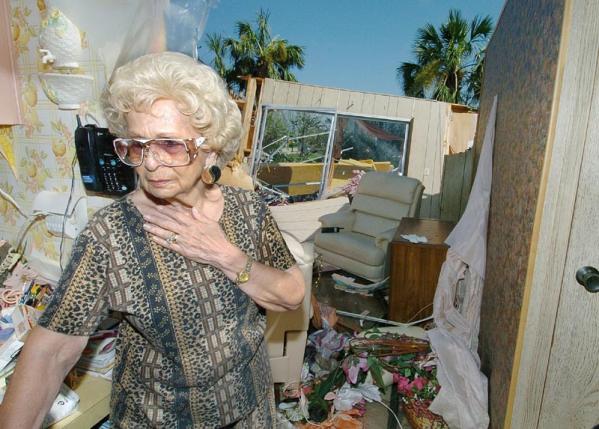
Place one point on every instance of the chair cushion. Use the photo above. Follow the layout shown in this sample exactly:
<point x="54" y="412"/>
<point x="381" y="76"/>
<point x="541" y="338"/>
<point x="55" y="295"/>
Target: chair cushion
<point x="389" y="186"/>
<point x="373" y="225"/>
<point x="373" y="273"/>
<point x="382" y="207"/>
<point x="353" y="245"/>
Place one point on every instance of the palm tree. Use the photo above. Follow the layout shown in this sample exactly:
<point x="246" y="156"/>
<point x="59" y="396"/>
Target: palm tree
<point x="449" y="62"/>
<point x="216" y="44"/>
<point x="255" y="52"/>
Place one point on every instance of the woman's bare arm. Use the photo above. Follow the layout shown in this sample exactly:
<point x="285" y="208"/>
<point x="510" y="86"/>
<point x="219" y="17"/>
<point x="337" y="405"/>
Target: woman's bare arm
<point x="44" y="362"/>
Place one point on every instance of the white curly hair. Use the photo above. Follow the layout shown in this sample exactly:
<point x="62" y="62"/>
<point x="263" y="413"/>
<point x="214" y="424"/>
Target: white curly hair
<point x="197" y="90"/>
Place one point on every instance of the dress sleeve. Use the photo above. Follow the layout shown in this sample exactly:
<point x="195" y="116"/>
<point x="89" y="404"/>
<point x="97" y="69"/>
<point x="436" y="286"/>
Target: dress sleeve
<point x="273" y="250"/>
<point x="80" y="300"/>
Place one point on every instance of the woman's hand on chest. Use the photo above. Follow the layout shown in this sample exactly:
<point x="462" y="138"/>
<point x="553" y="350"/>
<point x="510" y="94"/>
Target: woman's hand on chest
<point x="193" y="232"/>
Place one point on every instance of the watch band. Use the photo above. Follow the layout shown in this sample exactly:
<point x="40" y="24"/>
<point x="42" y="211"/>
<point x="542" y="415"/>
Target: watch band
<point x="244" y="275"/>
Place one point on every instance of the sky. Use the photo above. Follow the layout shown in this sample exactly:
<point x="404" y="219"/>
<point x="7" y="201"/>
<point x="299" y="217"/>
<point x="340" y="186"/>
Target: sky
<point x="351" y="44"/>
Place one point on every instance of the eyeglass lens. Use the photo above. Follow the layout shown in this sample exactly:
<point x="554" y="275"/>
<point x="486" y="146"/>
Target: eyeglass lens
<point x="168" y="152"/>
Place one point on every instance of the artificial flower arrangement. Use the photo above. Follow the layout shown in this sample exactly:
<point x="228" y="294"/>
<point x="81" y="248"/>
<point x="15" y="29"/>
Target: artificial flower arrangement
<point x="335" y="399"/>
<point x="418" y="386"/>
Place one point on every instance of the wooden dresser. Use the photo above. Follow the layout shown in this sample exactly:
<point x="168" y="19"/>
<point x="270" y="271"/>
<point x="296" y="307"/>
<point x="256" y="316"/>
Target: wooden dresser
<point x="415" y="268"/>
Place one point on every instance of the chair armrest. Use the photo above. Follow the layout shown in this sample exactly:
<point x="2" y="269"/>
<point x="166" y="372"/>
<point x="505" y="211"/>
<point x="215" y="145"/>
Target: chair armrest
<point x="382" y="239"/>
<point x="342" y="218"/>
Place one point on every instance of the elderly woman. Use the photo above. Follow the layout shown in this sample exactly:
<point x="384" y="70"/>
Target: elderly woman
<point x="191" y="265"/>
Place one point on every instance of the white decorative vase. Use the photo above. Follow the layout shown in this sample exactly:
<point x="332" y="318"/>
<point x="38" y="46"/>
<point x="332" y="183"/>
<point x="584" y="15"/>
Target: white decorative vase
<point x="67" y="90"/>
<point x="60" y="41"/>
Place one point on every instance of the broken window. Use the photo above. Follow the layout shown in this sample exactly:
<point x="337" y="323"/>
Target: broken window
<point x="301" y="154"/>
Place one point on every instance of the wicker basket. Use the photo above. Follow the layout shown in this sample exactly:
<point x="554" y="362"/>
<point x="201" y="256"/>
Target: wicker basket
<point x="420" y="417"/>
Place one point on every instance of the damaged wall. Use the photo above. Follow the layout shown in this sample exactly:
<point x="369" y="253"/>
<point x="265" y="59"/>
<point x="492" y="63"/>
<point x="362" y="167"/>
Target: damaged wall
<point x="521" y="67"/>
<point x="430" y="135"/>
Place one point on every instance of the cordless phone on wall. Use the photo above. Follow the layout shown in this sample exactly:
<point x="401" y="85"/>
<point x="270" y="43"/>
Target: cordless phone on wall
<point x="101" y="169"/>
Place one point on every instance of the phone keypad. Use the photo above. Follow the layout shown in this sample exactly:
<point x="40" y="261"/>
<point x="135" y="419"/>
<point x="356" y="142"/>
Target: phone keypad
<point x="112" y="180"/>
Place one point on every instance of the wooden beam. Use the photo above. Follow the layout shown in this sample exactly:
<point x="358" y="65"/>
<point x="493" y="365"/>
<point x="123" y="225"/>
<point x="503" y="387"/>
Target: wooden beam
<point x="246" y="117"/>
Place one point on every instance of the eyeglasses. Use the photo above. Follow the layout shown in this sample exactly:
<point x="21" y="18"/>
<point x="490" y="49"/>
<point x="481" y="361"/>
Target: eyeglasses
<point x="168" y="152"/>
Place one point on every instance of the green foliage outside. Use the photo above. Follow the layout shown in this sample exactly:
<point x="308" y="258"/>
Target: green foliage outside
<point x="255" y="52"/>
<point x="285" y="126"/>
<point x="449" y="61"/>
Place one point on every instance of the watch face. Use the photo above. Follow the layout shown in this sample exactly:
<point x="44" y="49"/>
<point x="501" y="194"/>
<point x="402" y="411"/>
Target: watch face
<point x="243" y="277"/>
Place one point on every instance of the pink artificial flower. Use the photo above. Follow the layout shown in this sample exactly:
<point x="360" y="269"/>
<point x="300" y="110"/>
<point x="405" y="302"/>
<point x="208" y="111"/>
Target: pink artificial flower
<point x="419" y="383"/>
<point x="403" y="384"/>
<point x="330" y="396"/>
<point x="351" y="186"/>
<point x="352" y="374"/>
<point x="363" y="364"/>
<point x="352" y="368"/>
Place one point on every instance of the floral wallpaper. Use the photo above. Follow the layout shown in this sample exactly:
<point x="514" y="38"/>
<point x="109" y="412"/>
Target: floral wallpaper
<point x="41" y="150"/>
<point x="520" y="67"/>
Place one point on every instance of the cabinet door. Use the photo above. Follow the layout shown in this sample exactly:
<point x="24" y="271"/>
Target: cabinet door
<point x="9" y="88"/>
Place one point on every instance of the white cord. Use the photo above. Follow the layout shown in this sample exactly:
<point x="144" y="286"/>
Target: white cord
<point x="420" y="311"/>
<point x="66" y="212"/>
<point x="25" y="229"/>
<point x="11" y="200"/>
<point x="379" y="320"/>
<point x="391" y="411"/>
<point x="89" y="115"/>
<point x="420" y="321"/>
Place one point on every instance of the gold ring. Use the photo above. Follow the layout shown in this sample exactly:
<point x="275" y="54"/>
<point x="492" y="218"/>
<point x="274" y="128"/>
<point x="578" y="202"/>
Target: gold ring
<point x="172" y="239"/>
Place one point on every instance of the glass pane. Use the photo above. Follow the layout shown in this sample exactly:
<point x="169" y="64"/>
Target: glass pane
<point x="367" y="144"/>
<point x="292" y="153"/>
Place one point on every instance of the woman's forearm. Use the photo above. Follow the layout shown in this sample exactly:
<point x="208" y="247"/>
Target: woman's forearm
<point x="274" y="289"/>
<point x="42" y="365"/>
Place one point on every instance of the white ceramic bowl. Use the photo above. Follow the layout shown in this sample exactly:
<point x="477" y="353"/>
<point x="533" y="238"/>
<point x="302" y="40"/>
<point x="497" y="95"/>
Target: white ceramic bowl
<point x="60" y="41"/>
<point x="67" y="90"/>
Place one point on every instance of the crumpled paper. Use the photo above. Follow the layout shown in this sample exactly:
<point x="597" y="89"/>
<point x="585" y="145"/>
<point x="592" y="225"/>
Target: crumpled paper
<point x="413" y="238"/>
<point x="347" y="396"/>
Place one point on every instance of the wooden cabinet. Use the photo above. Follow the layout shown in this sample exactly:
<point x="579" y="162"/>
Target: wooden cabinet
<point x="415" y="268"/>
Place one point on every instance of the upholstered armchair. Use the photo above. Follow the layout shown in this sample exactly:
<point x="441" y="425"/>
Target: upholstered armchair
<point x="369" y="224"/>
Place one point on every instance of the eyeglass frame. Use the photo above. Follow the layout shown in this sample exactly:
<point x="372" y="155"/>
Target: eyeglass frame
<point x="192" y="152"/>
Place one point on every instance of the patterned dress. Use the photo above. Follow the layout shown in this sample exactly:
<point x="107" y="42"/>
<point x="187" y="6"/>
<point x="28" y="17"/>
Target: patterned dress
<point x="191" y="350"/>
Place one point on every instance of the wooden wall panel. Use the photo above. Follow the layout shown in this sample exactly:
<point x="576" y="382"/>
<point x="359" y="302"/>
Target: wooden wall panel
<point x="343" y="101"/>
<point x="463" y="126"/>
<point x="521" y="67"/>
<point x="367" y="103"/>
<point x="330" y="98"/>
<point x="381" y="105"/>
<point x="392" y="106"/>
<point x="293" y="94"/>
<point x="280" y="94"/>
<point x="406" y="106"/>
<point x="557" y="254"/>
<point x="457" y="174"/>
<point x="434" y="157"/>
<point x="317" y="96"/>
<point x="418" y="149"/>
<point x="354" y="104"/>
<point x="268" y="91"/>
<point x="305" y="96"/>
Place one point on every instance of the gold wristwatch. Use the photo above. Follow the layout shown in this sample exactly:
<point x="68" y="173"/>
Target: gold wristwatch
<point x="244" y="275"/>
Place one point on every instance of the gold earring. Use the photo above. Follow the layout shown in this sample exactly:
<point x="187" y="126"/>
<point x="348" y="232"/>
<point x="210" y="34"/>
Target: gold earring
<point x="211" y="174"/>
